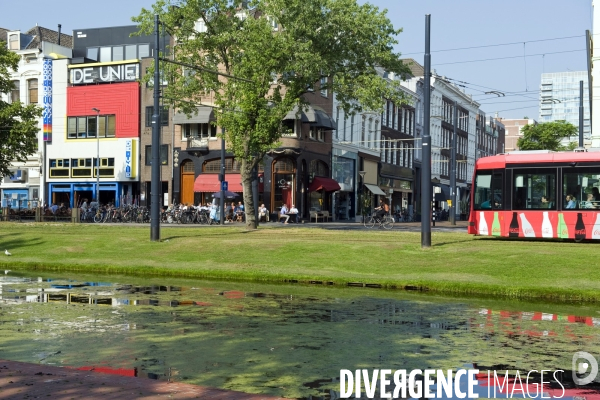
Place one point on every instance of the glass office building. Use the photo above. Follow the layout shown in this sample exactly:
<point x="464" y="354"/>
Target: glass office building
<point x="559" y="99"/>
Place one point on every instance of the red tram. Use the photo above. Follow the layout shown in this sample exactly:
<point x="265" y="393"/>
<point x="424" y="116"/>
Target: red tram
<point x="537" y="194"/>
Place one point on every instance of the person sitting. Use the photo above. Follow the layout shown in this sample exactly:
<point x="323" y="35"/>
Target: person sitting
<point x="596" y="193"/>
<point x="283" y="214"/>
<point x="54" y="208"/>
<point x="263" y="212"/>
<point x="591" y="201"/>
<point x="570" y="202"/>
<point x="294" y="211"/>
<point x="239" y="212"/>
<point x="382" y="210"/>
<point x="229" y="212"/>
<point x="545" y="202"/>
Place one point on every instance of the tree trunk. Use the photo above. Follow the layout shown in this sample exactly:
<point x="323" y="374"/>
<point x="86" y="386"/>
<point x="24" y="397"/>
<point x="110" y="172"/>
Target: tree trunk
<point x="246" y="174"/>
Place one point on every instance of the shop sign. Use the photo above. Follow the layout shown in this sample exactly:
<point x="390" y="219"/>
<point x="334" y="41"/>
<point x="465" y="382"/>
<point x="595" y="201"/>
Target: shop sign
<point x="130" y="168"/>
<point x="105" y="73"/>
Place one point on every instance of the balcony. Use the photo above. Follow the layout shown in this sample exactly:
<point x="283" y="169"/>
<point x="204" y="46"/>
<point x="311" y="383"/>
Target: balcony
<point x="196" y="143"/>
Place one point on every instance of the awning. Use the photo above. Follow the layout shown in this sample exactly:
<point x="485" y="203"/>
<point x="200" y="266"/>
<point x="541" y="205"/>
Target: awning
<point x="444" y="195"/>
<point x="321" y="119"/>
<point x="210" y="183"/>
<point x="314" y="115"/>
<point x="204" y="116"/>
<point x="324" y="184"/>
<point x="375" y="189"/>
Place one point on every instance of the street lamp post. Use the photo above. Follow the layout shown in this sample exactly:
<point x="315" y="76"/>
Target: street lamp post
<point x="97" y="155"/>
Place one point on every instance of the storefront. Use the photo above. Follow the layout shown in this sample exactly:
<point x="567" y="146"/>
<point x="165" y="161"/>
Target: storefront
<point x="344" y="173"/>
<point x="397" y="182"/>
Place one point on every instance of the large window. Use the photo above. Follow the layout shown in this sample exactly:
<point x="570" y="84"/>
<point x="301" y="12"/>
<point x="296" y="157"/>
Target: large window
<point x="582" y="186"/>
<point x="489" y="190"/>
<point x="88" y="127"/>
<point x="164" y="154"/>
<point x="534" y="189"/>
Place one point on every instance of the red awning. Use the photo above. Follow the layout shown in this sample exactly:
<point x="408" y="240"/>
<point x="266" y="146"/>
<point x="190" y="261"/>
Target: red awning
<point x="325" y="184"/>
<point x="209" y="183"/>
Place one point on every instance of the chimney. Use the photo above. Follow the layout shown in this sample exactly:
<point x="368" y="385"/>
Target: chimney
<point x="58" y="34"/>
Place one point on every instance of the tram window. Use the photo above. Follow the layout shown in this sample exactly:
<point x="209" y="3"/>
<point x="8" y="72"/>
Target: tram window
<point x="582" y="187"/>
<point x="488" y="191"/>
<point x="534" y="191"/>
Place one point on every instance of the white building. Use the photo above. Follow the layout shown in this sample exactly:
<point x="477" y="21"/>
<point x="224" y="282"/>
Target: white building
<point x="373" y="154"/>
<point x="443" y="96"/>
<point x="36" y="47"/>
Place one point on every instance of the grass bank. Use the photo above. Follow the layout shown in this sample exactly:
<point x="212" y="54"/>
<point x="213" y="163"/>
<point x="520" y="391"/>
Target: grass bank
<point x="456" y="262"/>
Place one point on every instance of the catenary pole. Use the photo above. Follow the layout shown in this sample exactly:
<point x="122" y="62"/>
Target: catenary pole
<point x="453" y="168"/>
<point x="426" y="146"/>
<point x="155" y="184"/>
<point x="222" y="199"/>
<point x="581" y="114"/>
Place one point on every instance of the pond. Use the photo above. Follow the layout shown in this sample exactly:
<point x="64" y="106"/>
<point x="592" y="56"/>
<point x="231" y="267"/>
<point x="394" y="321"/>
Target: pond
<point x="286" y="340"/>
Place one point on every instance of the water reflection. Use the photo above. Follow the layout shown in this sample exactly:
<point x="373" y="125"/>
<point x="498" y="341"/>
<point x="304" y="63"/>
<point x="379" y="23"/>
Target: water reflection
<point x="283" y="340"/>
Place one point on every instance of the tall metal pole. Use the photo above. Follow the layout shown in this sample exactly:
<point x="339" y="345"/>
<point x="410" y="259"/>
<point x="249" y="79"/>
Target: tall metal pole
<point x="426" y="166"/>
<point x="453" y="168"/>
<point x="588" y="42"/>
<point x="581" y="114"/>
<point x="155" y="180"/>
<point x="97" y="155"/>
<point x="222" y="200"/>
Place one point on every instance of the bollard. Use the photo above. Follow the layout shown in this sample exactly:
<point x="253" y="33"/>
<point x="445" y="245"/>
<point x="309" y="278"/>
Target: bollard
<point x="38" y="214"/>
<point x="75" y="215"/>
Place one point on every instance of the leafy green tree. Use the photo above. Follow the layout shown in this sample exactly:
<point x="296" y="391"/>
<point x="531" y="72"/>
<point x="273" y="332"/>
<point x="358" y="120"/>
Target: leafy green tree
<point x="18" y="123"/>
<point x="546" y="136"/>
<point x="279" y="49"/>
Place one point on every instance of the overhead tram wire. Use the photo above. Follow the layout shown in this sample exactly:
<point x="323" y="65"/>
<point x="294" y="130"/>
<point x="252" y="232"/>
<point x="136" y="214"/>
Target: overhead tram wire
<point x="497" y="45"/>
<point x="507" y="58"/>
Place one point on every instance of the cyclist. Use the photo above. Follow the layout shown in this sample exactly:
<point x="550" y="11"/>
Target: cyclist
<point x="382" y="210"/>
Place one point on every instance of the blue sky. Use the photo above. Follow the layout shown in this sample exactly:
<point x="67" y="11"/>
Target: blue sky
<point x="520" y="39"/>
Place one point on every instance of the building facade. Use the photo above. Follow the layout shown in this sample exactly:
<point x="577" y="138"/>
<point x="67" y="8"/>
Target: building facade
<point x="513" y="132"/>
<point x="33" y="83"/>
<point x="559" y="101"/>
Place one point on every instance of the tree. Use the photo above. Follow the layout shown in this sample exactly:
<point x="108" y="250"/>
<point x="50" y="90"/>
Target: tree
<point x="278" y="49"/>
<point x="18" y="123"/>
<point x="546" y="136"/>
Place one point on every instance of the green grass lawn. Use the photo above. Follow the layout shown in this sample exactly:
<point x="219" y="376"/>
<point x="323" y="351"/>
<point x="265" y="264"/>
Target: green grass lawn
<point x="456" y="262"/>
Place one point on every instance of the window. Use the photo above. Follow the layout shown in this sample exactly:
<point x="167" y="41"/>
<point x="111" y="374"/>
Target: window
<point x="534" y="188"/>
<point x="107" y="167"/>
<point x="231" y="165"/>
<point x="92" y="53"/>
<point x="105" y="54"/>
<point x="90" y="126"/>
<point x="164" y="154"/>
<point x="13" y="42"/>
<point x="323" y="86"/>
<point x="164" y="115"/>
<point x="15" y="92"/>
<point x="59" y="168"/>
<point x="289" y="127"/>
<point x="32" y="88"/>
<point x="488" y="186"/>
<point x="81" y="167"/>
<point x="583" y="186"/>
<point x="144" y="51"/>
<point x="131" y="52"/>
<point x="118" y="53"/>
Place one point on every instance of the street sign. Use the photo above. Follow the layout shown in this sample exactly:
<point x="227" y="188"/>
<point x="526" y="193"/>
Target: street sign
<point x="225" y="185"/>
<point x="450" y="203"/>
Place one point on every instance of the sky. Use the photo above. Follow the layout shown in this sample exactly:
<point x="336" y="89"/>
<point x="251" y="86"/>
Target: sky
<point x="518" y="39"/>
